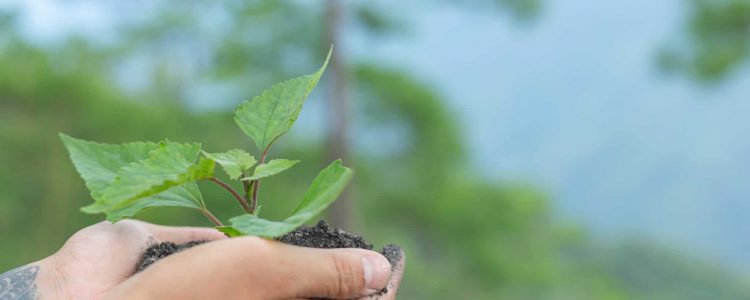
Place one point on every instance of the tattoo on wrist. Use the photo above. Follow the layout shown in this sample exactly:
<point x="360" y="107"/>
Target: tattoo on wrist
<point x="19" y="284"/>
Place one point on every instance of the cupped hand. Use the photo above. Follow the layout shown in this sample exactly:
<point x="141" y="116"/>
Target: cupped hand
<point x="98" y="258"/>
<point x="255" y="268"/>
<point x="99" y="262"/>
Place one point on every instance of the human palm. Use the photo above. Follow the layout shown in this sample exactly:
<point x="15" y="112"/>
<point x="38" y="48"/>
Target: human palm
<point x="98" y="258"/>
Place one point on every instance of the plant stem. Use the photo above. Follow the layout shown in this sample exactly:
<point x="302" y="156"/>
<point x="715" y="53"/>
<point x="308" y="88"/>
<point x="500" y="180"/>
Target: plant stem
<point x="256" y="183"/>
<point x="240" y="199"/>
<point x="211" y="217"/>
<point x="246" y="187"/>
<point x="254" y="203"/>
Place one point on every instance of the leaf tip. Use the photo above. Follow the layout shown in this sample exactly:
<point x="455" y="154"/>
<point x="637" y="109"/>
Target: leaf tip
<point x="325" y="63"/>
<point x="339" y="163"/>
<point x="66" y="138"/>
<point x="229" y="231"/>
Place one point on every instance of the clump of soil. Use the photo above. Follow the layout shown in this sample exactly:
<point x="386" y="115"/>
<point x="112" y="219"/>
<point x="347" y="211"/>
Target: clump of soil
<point x="326" y="237"/>
<point x="162" y="250"/>
<point x="319" y="236"/>
<point x="323" y="236"/>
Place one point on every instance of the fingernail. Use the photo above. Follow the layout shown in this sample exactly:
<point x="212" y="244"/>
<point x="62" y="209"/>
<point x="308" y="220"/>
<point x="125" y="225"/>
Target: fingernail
<point x="377" y="271"/>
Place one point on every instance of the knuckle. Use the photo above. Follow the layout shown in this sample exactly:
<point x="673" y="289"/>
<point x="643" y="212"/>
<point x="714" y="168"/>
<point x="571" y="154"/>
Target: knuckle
<point x="347" y="281"/>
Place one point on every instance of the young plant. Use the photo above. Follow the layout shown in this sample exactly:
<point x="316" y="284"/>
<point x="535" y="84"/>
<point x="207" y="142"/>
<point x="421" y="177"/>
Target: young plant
<point x="128" y="178"/>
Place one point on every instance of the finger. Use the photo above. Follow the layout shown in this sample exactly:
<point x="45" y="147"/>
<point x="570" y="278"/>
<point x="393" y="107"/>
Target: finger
<point x="395" y="282"/>
<point x="181" y="235"/>
<point x="331" y="273"/>
<point x="254" y="268"/>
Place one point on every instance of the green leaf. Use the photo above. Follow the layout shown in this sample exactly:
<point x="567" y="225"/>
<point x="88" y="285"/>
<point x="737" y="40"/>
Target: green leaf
<point x="229" y="231"/>
<point x="271" y="168"/>
<point x="325" y="188"/>
<point x="272" y="113"/>
<point x="149" y="182"/>
<point x="186" y="195"/>
<point x="235" y="162"/>
<point x="98" y="163"/>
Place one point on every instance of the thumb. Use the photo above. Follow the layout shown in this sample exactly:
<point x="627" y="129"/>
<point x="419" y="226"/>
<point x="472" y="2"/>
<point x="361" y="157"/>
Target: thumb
<point x="181" y="235"/>
<point x="336" y="273"/>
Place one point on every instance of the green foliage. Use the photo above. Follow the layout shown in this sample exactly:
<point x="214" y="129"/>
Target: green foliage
<point x="719" y="39"/>
<point x="169" y="165"/>
<point x="99" y="164"/>
<point x="271" y="168"/>
<point x="235" y="162"/>
<point x="495" y="240"/>
<point x="187" y="195"/>
<point x="126" y="179"/>
<point x="522" y="10"/>
<point x="324" y="189"/>
<point x="273" y="112"/>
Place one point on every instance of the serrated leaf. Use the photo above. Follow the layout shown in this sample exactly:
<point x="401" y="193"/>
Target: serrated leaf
<point x="271" y="168"/>
<point x="235" y="162"/>
<point x="273" y="112"/>
<point x="186" y="195"/>
<point x="325" y="188"/>
<point x="142" y="183"/>
<point x="98" y="163"/>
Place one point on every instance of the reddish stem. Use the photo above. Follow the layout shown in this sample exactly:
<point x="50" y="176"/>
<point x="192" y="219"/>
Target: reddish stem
<point x="211" y="217"/>
<point x="240" y="199"/>
<point x="256" y="183"/>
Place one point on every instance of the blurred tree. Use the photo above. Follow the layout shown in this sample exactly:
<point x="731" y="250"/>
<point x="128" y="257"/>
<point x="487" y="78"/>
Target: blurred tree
<point x="717" y="42"/>
<point x="341" y="212"/>
<point x="41" y="95"/>
<point x="650" y="272"/>
<point x="467" y="237"/>
<point x="258" y="38"/>
<point x="521" y="10"/>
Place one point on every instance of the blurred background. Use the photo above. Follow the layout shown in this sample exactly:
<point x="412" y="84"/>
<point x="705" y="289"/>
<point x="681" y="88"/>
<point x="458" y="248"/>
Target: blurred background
<point x="517" y="149"/>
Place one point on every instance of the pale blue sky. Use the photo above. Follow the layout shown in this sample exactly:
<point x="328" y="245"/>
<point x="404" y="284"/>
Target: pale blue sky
<point x="574" y="104"/>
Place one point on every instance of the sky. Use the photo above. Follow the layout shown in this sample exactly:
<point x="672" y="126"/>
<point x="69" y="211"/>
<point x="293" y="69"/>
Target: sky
<point x="574" y="104"/>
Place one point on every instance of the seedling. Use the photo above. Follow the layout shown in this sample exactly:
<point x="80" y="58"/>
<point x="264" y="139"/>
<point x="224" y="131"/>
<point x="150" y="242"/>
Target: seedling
<point x="128" y="178"/>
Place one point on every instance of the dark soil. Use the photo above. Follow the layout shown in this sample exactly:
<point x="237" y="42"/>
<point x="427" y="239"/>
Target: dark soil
<point x="319" y="236"/>
<point x="326" y="237"/>
<point x="162" y="250"/>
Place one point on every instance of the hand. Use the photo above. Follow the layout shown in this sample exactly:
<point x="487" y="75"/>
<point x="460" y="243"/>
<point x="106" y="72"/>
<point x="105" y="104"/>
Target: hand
<point x="99" y="262"/>
<point x="100" y="257"/>
<point x="255" y="268"/>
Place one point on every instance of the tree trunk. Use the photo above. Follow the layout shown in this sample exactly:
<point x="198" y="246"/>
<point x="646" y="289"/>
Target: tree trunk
<point x="341" y="211"/>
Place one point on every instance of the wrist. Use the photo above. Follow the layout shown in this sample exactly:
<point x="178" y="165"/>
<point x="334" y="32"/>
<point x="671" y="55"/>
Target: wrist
<point x="49" y="280"/>
<point x="32" y="281"/>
